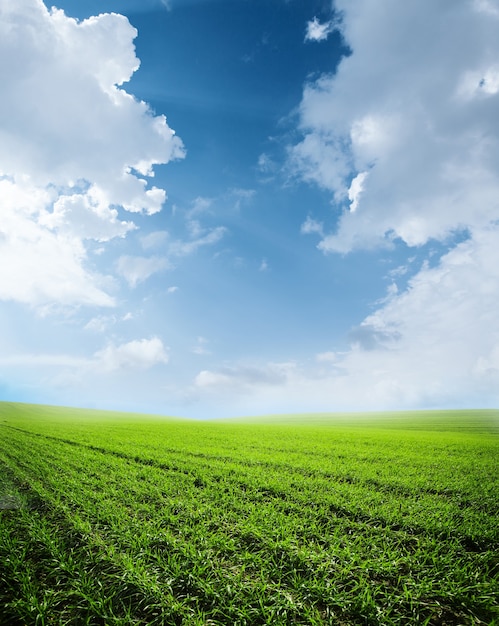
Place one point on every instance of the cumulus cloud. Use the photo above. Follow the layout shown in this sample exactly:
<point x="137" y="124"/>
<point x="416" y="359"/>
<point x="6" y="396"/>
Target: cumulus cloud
<point x="76" y="215"/>
<point x="433" y="345"/>
<point x="141" y="354"/>
<point x="42" y="266"/>
<point x="414" y="105"/>
<point x="405" y="138"/>
<point x="436" y="343"/>
<point x="75" y="150"/>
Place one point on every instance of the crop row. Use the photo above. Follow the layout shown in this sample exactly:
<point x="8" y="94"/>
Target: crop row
<point x="167" y="535"/>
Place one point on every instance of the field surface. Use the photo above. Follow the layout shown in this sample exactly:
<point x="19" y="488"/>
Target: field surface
<point x="110" y="519"/>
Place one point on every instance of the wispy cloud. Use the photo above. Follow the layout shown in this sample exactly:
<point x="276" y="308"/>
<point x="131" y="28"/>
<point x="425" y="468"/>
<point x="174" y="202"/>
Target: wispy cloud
<point x="200" y="348"/>
<point x="317" y="31"/>
<point x="137" y="269"/>
<point x="241" y="196"/>
<point x="155" y="240"/>
<point x="242" y="377"/>
<point x="199" y="206"/>
<point x="311" y="226"/>
<point x="135" y="354"/>
<point x="202" y="237"/>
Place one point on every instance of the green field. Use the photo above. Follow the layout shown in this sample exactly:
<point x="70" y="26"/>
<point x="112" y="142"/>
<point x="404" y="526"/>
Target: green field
<point x="379" y="519"/>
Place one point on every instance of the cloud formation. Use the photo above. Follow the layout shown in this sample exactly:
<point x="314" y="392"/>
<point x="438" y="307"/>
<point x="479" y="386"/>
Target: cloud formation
<point x="435" y="344"/>
<point x="137" y="269"/>
<point x="405" y="137"/>
<point x="200" y="237"/>
<point x="138" y="354"/>
<point x="414" y="107"/>
<point x="243" y="378"/>
<point x="141" y="354"/>
<point x="317" y="31"/>
<point x="75" y="150"/>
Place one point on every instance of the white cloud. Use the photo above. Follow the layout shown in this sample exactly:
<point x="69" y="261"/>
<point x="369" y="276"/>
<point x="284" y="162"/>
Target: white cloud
<point x="141" y="354"/>
<point x="311" y="226"/>
<point x="241" y="196"/>
<point x="137" y="269"/>
<point x="435" y="344"/>
<point x="122" y="375"/>
<point x="207" y="379"/>
<point x="154" y="240"/>
<point x="326" y="357"/>
<point x="78" y="216"/>
<point x="265" y="164"/>
<point x="200" y="205"/>
<point x="395" y="108"/>
<point x="356" y="189"/>
<point x="42" y="266"/>
<point x="200" y="237"/>
<point x="405" y="136"/>
<point x="414" y="106"/>
<point x="136" y="354"/>
<point x="75" y="149"/>
<point x="319" y="32"/>
<point x="68" y="119"/>
<point x="100" y="323"/>
<point x="243" y="378"/>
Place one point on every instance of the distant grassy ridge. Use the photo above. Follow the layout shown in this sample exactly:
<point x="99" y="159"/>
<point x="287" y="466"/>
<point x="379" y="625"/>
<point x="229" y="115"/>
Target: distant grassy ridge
<point x="383" y="519"/>
<point x="53" y="413"/>
<point x="462" y="420"/>
<point x="446" y="420"/>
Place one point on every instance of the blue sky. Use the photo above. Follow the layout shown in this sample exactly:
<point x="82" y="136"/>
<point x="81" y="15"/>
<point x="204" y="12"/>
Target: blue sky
<point x="319" y="233"/>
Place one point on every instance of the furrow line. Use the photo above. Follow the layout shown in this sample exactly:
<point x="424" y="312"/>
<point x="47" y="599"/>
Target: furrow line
<point x="400" y="490"/>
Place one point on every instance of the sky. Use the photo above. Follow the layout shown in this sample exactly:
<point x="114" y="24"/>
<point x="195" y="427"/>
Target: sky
<point x="233" y="207"/>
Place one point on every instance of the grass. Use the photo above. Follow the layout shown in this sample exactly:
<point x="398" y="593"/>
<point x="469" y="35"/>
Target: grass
<point x="379" y="519"/>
